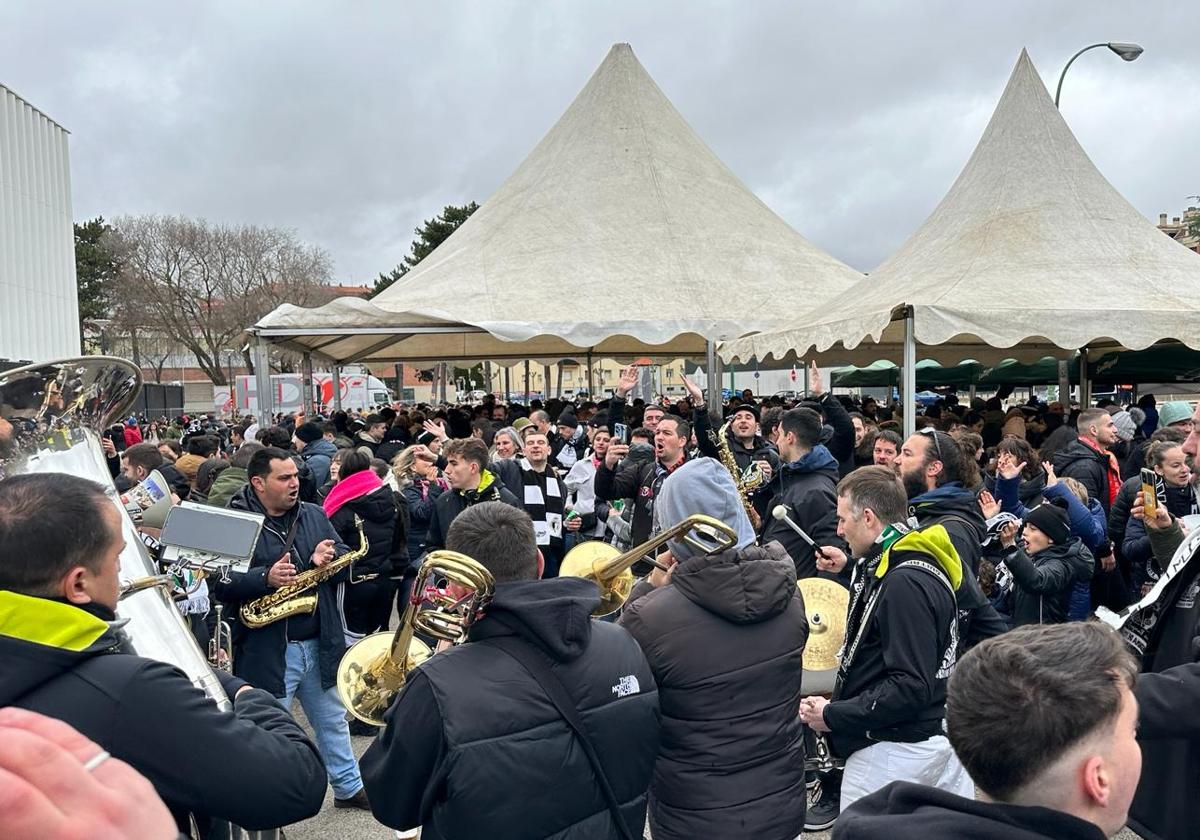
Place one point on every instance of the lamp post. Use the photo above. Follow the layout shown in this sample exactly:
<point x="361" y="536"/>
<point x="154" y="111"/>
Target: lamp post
<point x="1127" y="52"/>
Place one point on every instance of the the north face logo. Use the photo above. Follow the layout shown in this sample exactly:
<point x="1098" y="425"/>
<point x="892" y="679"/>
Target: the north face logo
<point x="626" y="686"/>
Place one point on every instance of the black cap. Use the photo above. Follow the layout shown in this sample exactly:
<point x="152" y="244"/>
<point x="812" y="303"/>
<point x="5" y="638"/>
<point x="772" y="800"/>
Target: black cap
<point x="1052" y="520"/>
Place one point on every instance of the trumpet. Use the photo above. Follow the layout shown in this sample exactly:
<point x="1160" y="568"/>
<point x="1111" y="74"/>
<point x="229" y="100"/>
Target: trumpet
<point x="450" y="593"/>
<point x="300" y="598"/>
<point x="602" y="563"/>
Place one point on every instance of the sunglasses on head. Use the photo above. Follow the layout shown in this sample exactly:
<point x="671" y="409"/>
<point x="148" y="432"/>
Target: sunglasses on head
<point x="931" y="433"/>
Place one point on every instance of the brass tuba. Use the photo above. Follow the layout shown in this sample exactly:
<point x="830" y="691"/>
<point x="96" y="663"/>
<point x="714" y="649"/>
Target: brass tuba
<point x="52" y="417"/>
<point x="602" y="563"/>
<point x="450" y="592"/>
<point x="300" y="597"/>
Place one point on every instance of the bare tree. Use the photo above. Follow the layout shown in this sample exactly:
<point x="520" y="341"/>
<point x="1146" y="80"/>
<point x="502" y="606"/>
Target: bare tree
<point x="205" y="284"/>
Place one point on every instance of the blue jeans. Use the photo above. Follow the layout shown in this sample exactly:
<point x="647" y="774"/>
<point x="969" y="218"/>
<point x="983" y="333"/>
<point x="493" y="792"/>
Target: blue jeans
<point x="326" y="715"/>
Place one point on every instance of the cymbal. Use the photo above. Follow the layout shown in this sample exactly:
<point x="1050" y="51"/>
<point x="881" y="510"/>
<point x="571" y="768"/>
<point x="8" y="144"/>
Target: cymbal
<point x="826" y="603"/>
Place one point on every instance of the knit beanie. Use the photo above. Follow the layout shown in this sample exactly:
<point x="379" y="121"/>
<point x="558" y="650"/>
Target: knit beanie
<point x="1126" y="427"/>
<point x="1051" y="519"/>
<point x="309" y="432"/>
<point x="567" y="419"/>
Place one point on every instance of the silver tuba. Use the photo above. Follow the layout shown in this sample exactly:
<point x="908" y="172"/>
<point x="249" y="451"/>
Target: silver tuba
<point x="51" y="420"/>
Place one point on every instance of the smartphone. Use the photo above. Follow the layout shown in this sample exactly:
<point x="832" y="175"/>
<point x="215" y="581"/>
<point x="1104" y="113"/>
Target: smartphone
<point x="1150" y="492"/>
<point x="621" y="432"/>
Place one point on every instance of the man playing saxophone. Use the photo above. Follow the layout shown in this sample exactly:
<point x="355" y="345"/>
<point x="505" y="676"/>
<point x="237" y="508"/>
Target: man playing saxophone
<point x="297" y="655"/>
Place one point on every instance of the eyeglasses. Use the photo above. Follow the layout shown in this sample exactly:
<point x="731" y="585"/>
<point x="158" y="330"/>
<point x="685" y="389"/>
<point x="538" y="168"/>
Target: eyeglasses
<point x="932" y="434"/>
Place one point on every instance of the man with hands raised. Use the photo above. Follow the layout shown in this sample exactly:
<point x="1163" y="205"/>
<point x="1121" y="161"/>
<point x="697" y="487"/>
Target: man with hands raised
<point x="641" y="481"/>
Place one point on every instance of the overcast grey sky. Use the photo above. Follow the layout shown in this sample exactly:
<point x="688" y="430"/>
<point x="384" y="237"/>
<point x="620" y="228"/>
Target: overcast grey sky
<point x="352" y="122"/>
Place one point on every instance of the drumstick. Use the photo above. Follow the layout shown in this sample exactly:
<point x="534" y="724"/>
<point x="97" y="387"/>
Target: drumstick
<point x="780" y="513"/>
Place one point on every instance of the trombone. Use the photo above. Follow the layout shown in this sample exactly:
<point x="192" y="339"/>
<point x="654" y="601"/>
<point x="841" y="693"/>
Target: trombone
<point x="609" y="569"/>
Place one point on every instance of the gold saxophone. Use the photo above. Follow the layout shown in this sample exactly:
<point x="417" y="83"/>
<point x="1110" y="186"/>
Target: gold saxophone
<point x="300" y="598"/>
<point x="746" y="483"/>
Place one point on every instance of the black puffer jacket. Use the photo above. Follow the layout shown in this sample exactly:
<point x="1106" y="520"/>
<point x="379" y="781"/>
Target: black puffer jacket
<point x="1089" y="467"/>
<point x="258" y="655"/>
<point x="383" y="527"/>
<point x="725" y="641"/>
<point x="253" y="766"/>
<point x="453" y="502"/>
<point x="1042" y="583"/>
<point x="474" y="749"/>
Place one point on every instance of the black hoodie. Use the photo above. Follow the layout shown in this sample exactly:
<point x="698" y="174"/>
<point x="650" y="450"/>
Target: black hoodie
<point x="252" y="766"/>
<point x="725" y="641"/>
<point x="474" y="748"/>
<point x="903" y="809"/>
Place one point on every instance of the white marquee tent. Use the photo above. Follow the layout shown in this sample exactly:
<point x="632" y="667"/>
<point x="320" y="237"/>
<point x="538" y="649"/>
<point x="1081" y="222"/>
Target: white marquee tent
<point x="620" y="235"/>
<point x="1031" y="252"/>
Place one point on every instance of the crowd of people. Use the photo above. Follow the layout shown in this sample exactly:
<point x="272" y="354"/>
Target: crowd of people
<point x="972" y="695"/>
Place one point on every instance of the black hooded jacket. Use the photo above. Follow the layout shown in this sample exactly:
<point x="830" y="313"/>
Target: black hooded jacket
<point x="1042" y="583"/>
<point x="903" y="809"/>
<point x="473" y="747"/>
<point x="725" y="640"/>
<point x="956" y="509"/>
<point x="258" y="655"/>
<point x="252" y="766"/>
<point x="808" y="488"/>
<point x="383" y="526"/>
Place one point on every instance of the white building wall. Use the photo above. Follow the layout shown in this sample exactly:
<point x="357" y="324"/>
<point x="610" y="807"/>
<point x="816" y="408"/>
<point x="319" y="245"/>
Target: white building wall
<point x="39" y="307"/>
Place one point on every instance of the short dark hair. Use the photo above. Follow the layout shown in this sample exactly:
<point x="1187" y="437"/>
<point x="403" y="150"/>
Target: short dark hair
<point x="241" y="458"/>
<point x="643" y="433"/>
<point x="49" y="524"/>
<point x="1064" y="678"/>
<point x="144" y="455"/>
<point x="260" y="461"/>
<point x="877" y="488"/>
<point x="804" y="423"/>
<point x="276" y="436"/>
<point x="203" y="445"/>
<point x="469" y="449"/>
<point x="683" y="428"/>
<point x="889" y="436"/>
<point x="173" y="445"/>
<point x="500" y="537"/>
<point x="354" y="461"/>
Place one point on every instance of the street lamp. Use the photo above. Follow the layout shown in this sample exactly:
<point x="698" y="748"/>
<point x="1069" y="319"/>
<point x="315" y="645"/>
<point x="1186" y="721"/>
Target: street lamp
<point x="1128" y="52"/>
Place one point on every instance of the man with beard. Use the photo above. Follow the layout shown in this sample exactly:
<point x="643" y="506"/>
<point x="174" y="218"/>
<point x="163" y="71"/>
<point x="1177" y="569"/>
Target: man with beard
<point x="930" y="468"/>
<point x="750" y="448"/>
<point x="889" y="700"/>
<point x="886" y="449"/>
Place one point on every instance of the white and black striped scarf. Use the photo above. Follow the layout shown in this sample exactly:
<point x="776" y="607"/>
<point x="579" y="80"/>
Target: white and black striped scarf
<point x="544" y="497"/>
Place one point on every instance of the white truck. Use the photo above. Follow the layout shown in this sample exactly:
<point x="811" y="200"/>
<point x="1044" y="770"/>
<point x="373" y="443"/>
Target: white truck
<point x="360" y="392"/>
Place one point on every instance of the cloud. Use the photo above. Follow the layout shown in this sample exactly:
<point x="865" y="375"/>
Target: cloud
<point x="353" y="123"/>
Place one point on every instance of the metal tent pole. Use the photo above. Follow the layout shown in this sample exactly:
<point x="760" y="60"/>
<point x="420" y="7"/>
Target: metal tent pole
<point x="335" y="387"/>
<point x="306" y="383"/>
<point x="909" y="382"/>
<point x="712" y="364"/>
<point x="262" y="380"/>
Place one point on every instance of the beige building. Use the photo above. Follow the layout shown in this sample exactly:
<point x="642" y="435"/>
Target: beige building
<point x="1180" y="226"/>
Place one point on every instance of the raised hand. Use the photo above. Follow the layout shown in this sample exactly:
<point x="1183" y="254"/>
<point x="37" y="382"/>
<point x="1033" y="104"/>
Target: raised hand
<point x="988" y="504"/>
<point x="695" y="393"/>
<point x="815" y="384"/>
<point x="629" y="379"/>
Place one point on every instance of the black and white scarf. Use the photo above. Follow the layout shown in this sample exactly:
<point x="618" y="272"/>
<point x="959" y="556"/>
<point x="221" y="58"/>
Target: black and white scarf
<point x="544" y="498"/>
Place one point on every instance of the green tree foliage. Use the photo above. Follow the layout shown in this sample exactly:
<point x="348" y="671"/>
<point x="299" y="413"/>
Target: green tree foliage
<point x="431" y="234"/>
<point x="96" y="269"/>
